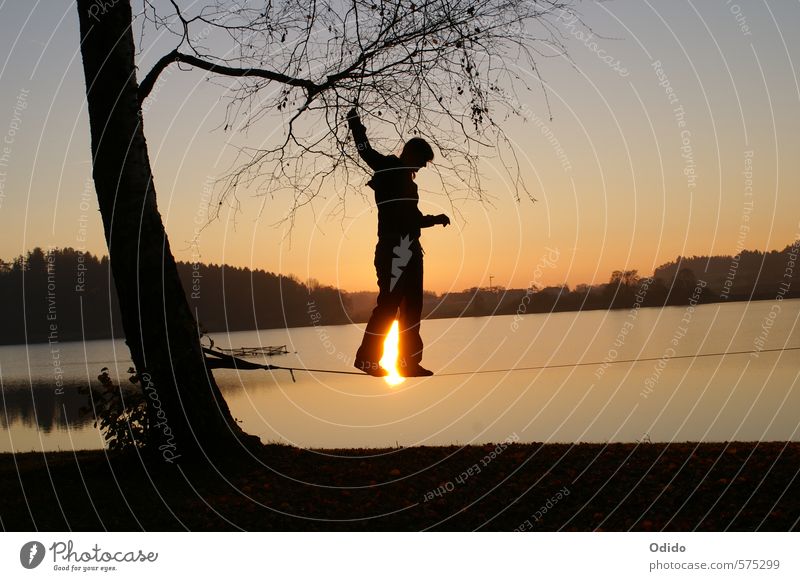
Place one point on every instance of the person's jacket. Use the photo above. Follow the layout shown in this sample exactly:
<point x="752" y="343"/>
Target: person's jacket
<point x="395" y="190"/>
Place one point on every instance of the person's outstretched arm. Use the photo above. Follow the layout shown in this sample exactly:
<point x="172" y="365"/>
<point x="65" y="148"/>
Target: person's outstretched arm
<point x="373" y="159"/>
<point x="428" y="220"/>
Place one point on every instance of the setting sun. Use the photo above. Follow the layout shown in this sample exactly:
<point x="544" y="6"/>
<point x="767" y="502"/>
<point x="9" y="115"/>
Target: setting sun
<point x="389" y="359"/>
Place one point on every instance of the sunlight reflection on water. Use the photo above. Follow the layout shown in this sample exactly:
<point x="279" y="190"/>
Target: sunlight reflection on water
<point x="737" y="397"/>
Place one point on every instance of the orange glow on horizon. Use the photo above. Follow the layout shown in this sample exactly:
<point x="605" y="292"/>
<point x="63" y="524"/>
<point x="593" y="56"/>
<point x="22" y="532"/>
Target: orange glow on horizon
<point x="390" y="353"/>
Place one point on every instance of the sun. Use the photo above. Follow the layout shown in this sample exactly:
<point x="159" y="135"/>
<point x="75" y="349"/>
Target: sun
<point x="390" y="353"/>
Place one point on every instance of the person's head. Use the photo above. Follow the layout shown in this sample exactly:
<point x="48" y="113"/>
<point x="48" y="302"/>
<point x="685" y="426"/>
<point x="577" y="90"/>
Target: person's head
<point x="416" y="153"/>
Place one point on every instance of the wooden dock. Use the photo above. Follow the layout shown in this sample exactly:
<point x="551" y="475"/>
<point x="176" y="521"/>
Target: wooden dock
<point x="268" y="350"/>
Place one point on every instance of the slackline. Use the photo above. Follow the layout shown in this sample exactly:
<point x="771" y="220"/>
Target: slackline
<point x="236" y="363"/>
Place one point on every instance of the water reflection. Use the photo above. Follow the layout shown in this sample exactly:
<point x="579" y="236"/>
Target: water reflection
<point x="44" y="408"/>
<point x="739" y="397"/>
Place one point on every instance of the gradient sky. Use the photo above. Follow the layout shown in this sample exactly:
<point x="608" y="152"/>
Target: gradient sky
<point x="618" y="197"/>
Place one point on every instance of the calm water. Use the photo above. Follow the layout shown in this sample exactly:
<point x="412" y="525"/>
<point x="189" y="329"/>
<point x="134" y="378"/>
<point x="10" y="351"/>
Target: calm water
<point x="737" y="397"/>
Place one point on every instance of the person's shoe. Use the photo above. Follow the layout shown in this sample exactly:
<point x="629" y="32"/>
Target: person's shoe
<point x="415" y="371"/>
<point x="371" y="368"/>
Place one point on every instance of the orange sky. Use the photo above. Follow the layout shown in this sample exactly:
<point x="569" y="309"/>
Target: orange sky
<point x="642" y="174"/>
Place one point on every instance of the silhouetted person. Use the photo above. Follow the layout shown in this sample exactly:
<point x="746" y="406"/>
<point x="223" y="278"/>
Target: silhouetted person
<point x="398" y="254"/>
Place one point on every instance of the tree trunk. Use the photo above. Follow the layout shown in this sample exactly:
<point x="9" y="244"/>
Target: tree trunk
<point x="187" y="411"/>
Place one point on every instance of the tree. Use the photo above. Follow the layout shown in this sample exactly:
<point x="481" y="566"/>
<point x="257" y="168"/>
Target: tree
<point x="159" y="328"/>
<point x="621" y="288"/>
<point x="683" y="287"/>
<point x="436" y="68"/>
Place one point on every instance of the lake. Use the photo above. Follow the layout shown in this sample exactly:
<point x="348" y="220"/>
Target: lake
<point x="605" y="399"/>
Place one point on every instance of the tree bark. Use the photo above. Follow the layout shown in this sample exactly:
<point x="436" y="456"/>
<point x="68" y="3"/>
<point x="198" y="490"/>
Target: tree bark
<point x="188" y="413"/>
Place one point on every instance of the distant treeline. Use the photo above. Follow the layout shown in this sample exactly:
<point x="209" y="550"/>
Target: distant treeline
<point x="750" y="275"/>
<point x="65" y="295"/>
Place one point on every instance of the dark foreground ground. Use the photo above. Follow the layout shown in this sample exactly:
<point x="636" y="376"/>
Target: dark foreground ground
<point x="619" y="487"/>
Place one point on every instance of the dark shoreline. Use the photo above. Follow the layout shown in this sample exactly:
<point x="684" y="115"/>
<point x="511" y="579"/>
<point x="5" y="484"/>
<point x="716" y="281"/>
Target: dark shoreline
<point x="431" y="317"/>
<point x="737" y="486"/>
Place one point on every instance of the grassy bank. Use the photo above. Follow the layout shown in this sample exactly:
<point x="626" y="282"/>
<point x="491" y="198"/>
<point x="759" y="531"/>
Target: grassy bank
<point x="616" y="487"/>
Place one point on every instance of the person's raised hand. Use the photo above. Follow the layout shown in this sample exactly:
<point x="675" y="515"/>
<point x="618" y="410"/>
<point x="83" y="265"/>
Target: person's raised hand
<point x="443" y="219"/>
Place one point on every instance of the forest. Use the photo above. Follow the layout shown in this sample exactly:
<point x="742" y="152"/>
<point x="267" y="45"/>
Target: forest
<point x="62" y="294"/>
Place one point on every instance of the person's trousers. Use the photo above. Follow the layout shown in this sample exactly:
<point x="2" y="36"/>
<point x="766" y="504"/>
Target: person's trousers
<point x="398" y="264"/>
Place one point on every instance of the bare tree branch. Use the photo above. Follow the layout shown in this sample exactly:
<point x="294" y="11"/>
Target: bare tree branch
<point x="176" y="57"/>
<point x="439" y="69"/>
